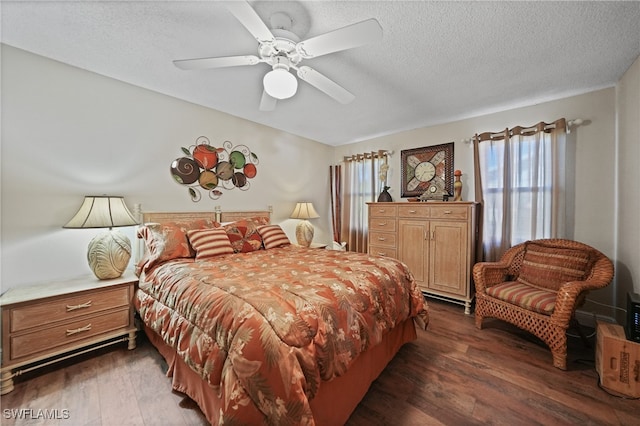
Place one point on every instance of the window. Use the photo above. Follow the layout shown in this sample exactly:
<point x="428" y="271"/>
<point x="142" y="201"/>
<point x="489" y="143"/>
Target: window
<point x="363" y="183"/>
<point x="522" y="185"/>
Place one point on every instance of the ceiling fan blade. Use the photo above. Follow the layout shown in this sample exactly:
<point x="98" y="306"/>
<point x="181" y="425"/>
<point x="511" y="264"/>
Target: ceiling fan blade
<point x="250" y="19"/>
<point x="325" y="85"/>
<point x="221" y="62"/>
<point x="267" y="103"/>
<point x="341" y="39"/>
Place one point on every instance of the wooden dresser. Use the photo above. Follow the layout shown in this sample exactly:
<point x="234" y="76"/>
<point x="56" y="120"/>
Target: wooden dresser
<point x="43" y="322"/>
<point x="437" y="241"/>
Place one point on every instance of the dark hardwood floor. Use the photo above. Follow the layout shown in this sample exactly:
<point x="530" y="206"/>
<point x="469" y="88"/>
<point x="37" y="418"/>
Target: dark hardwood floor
<point x="453" y="374"/>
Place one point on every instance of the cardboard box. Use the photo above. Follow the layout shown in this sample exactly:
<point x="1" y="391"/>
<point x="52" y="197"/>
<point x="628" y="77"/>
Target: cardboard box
<point x="617" y="360"/>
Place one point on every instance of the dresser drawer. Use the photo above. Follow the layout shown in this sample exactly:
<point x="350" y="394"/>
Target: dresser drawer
<point x="67" y="308"/>
<point x="382" y="211"/>
<point x="413" y="211"/>
<point x="382" y="239"/>
<point x="452" y="212"/>
<point x="377" y="250"/>
<point x="46" y="339"/>
<point x="382" y="224"/>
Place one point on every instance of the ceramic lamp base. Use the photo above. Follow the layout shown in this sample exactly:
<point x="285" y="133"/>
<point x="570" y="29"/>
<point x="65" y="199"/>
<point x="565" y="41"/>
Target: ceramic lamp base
<point x="304" y="233"/>
<point x="109" y="254"/>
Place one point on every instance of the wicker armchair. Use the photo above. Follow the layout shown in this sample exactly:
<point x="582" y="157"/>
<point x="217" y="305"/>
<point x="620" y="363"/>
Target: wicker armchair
<point x="537" y="287"/>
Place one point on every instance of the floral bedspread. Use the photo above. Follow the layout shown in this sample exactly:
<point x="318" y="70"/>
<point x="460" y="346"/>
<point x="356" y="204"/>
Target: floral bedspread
<point x="265" y="328"/>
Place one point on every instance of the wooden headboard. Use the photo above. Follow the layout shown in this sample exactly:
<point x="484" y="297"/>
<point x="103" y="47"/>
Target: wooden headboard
<point x="217" y="215"/>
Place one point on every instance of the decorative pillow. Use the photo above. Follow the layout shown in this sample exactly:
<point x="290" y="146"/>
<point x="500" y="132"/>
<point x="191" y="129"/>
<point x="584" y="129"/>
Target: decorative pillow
<point x="209" y="242"/>
<point x="549" y="267"/>
<point x="244" y="236"/>
<point x="273" y="236"/>
<point x="167" y="241"/>
<point x="260" y="220"/>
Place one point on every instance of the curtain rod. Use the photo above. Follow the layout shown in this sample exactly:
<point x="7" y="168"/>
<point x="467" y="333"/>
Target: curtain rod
<point x="372" y="154"/>
<point x="570" y="124"/>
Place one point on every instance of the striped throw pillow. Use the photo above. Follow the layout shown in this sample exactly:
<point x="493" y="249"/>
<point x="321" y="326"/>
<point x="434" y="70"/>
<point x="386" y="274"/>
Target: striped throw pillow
<point x="209" y="242"/>
<point x="273" y="236"/>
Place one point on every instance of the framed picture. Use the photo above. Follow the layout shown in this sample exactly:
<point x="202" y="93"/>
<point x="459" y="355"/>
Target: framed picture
<point x="429" y="168"/>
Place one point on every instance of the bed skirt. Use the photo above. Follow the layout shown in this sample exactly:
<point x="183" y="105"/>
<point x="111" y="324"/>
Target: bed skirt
<point x="335" y="400"/>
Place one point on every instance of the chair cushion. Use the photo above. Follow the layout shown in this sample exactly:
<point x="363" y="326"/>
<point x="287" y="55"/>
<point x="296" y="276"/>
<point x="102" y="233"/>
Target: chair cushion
<point x="548" y="267"/>
<point x="525" y="296"/>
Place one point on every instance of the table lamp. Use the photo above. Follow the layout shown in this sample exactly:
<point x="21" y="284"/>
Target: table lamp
<point x="304" y="230"/>
<point x="109" y="252"/>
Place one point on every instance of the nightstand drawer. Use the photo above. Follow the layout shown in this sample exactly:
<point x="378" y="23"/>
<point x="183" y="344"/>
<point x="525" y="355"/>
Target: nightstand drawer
<point x="67" y="308"/>
<point x="382" y="239"/>
<point x="46" y="339"/>
<point x="383" y="251"/>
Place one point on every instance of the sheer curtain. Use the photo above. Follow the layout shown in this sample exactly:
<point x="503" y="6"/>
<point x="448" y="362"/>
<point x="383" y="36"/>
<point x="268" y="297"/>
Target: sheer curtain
<point x="362" y="184"/>
<point x="521" y="183"/>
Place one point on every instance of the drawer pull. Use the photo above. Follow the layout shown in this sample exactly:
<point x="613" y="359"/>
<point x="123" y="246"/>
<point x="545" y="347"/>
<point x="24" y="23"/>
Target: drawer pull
<point x="80" y="306"/>
<point x="413" y="211"/>
<point x="381" y="211"/>
<point x="381" y="253"/>
<point x="382" y="239"/>
<point x="382" y="224"/>
<point x="447" y="212"/>
<point x="78" y="330"/>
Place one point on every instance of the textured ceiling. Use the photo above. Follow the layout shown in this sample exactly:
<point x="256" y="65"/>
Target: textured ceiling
<point x="437" y="61"/>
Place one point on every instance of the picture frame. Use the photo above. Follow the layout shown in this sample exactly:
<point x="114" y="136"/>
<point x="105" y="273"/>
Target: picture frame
<point x="425" y="168"/>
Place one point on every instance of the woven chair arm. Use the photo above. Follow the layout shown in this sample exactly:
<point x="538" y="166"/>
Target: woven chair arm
<point x="487" y="274"/>
<point x="568" y="293"/>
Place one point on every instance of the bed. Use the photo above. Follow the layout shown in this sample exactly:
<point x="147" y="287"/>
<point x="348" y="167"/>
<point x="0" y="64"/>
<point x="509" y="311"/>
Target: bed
<point x="260" y="331"/>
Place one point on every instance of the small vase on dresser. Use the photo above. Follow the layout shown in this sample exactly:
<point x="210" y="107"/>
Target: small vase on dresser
<point x="384" y="196"/>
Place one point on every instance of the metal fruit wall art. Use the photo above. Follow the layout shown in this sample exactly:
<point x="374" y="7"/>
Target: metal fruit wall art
<point x="205" y="167"/>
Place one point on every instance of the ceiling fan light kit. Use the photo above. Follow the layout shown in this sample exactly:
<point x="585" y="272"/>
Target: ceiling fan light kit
<point x="280" y="48"/>
<point x="279" y="83"/>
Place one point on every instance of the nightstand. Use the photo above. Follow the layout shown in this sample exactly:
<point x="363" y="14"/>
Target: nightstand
<point x="53" y="321"/>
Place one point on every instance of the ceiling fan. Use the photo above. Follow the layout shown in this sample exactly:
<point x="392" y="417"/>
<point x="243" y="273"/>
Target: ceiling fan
<point x="283" y="51"/>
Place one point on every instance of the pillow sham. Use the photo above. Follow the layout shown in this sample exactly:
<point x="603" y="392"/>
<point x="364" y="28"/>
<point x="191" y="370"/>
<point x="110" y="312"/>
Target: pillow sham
<point x="244" y="236"/>
<point x="167" y="241"/>
<point x="209" y="243"/>
<point x="273" y="236"/>
<point x="549" y="267"/>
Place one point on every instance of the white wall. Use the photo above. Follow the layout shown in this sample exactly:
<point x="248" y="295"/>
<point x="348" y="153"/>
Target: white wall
<point x="628" y="180"/>
<point x="67" y="133"/>
<point x="594" y="143"/>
